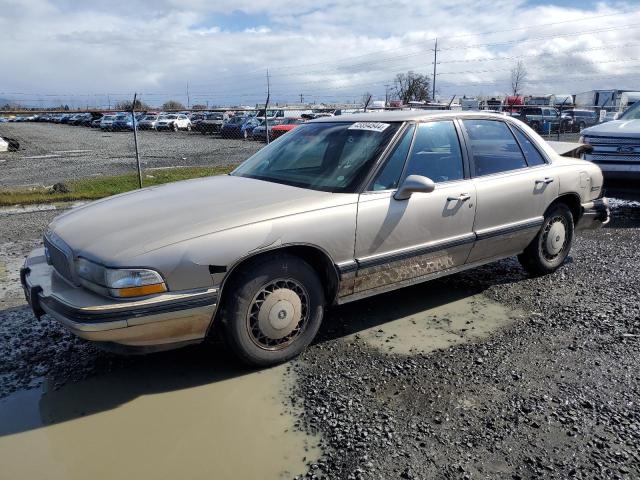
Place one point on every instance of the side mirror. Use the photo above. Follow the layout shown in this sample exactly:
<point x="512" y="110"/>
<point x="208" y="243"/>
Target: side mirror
<point x="412" y="184"/>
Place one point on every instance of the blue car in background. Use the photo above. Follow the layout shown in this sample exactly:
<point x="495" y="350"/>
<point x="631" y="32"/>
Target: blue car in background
<point x="239" y="127"/>
<point x="124" y="121"/>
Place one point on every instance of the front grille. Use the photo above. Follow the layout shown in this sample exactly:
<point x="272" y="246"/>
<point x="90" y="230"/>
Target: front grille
<point x="58" y="260"/>
<point x="613" y="158"/>
<point x="611" y="140"/>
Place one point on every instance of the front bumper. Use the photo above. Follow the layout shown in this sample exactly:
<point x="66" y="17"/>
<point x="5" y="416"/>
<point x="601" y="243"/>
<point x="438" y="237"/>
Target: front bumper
<point x="155" y="323"/>
<point x="595" y="214"/>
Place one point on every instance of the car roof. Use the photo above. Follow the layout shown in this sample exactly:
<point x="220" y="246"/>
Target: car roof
<point x="405" y="116"/>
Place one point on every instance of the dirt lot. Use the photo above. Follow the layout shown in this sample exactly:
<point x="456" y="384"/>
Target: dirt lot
<point x="51" y="153"/>
<point x="486" y="374"/>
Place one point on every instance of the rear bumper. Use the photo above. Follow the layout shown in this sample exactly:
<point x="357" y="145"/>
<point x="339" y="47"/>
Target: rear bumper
<point x="157" y="323"/>
<point x="595" y="214"/>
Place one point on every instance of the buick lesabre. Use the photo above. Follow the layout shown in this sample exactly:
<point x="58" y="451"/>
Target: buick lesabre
<point x="339" y="209"/>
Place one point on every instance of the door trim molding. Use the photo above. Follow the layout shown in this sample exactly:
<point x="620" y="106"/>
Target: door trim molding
<point x="415" y="251"/>
<point x="509" y="228"/>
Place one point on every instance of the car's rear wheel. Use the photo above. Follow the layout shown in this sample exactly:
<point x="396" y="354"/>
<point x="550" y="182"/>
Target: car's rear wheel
<point x="273" y="309"/>
<point x="548" y="250"/>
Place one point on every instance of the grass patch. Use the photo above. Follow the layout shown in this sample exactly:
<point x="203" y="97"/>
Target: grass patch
<point x="99" y="187"/>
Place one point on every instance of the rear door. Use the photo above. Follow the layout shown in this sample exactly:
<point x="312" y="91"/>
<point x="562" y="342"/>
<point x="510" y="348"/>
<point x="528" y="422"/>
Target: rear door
<point x="514" y="186"/>
<point x="398" y="241"/>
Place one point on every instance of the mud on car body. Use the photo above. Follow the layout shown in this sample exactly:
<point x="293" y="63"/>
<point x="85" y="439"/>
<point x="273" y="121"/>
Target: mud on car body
<point x="334" y="211"/>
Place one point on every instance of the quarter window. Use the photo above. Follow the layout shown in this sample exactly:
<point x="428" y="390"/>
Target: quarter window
<point x="493" y="147"/>
<point x="436" y="153"/>
<point x="531" y="153"/>
<point x="389" y="176"/>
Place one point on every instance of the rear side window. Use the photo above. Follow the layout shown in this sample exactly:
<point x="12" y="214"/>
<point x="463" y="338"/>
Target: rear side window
<point x="493" y="147"/>
<point x="389" y="176"/>
<point x="436" y="153"/>
<point x="531" y="153"/>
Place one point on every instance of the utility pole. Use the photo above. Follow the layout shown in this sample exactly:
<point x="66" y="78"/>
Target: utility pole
<point x="188" y="96"/>
<point x="266" y="106"/>
<point x="301" y="98"/>
<point x="435" y="60"/>
<point x="386" y="94"/>
<point x="135" y="138"/>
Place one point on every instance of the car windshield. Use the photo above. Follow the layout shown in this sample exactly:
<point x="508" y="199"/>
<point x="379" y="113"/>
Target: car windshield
<point x="236" y="120"/>
<point x="121" y="117"/>
<point x="214" y="116"/>
<point x="150" y="117"/>
<point x="170" y="117"/>
<point x="332" y="157"/>
<point x="632" y="114"/>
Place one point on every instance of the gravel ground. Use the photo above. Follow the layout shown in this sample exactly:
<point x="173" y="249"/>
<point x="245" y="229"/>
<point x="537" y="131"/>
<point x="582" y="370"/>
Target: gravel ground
<point x="554" y="395"/>
<point x="51" y="153"/>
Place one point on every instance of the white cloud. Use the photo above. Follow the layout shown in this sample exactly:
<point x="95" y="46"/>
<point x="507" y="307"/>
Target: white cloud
<point x="322" y="49"/>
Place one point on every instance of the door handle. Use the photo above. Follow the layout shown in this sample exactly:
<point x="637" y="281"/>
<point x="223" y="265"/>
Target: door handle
<point x="546" y="180"/>
<point x="463" y="197"/>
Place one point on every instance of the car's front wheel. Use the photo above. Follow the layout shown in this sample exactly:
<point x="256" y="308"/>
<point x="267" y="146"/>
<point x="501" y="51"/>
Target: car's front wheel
<point x="548" y="250"/>
<point x="273" y="309"/>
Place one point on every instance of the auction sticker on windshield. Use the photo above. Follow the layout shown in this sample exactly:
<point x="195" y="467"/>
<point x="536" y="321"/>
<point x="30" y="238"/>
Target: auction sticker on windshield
<point x="371" y="126"/>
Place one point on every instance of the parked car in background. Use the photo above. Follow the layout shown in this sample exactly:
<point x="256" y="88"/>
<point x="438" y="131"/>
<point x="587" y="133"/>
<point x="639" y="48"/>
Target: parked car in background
<point x="615" y="148"/>
<point x="174" y="122"/>
<point x="541" y="119"/>
<point x="148" y="122"/>
<point x="124" y="121"/>
<point x="304" y="224"/>
<point x="211" y="123"/>
<point x="260" y="131"/>
<point x="575" y="120"/>
<point x="286" y="126"/>
<point x="239" y="127"/>
<point x="107" y="122"/>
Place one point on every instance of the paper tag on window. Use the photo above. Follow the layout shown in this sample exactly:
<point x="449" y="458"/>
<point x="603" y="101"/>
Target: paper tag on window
<point x="371" y="126"/>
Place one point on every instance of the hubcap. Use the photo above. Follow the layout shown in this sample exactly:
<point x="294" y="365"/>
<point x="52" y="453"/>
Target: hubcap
<point x="278" y="314"/>
<point x="554" y="238"/>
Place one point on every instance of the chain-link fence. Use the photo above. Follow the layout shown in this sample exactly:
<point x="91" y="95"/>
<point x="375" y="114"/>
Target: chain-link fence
<point x="57" y="147"/>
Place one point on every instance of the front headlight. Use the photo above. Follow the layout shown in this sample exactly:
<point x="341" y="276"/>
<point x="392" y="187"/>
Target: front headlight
<point x="121" y="282"/>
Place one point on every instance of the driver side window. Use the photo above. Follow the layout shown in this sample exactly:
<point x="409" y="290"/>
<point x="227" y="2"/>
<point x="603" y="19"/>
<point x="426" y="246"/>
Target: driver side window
<point x="436" y="153"/>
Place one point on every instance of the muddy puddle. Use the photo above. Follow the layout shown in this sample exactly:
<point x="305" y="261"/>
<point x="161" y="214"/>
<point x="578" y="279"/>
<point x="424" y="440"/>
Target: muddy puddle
<point x="162" y="419"/>
<point x="425" y="318"/>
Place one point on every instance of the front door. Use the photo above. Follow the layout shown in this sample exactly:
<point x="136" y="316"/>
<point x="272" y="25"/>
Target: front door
<point x="399" y="241"/>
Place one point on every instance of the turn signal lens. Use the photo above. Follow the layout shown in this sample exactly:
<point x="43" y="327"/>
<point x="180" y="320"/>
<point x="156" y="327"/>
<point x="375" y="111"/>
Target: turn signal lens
<point x="138" y="291"/>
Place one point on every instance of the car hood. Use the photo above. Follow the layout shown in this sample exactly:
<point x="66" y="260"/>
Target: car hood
<point x="133" y="223"/>
<point x="615" y="128"/>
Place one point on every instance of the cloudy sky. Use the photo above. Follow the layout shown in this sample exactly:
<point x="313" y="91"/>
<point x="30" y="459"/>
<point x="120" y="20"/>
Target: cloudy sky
<point x="95" y="52"/>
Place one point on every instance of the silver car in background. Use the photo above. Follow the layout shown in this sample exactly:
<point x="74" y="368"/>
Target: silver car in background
<point x="148" y="122"/>
<point x="339" y="209"/>
<point x="106" y="122"/>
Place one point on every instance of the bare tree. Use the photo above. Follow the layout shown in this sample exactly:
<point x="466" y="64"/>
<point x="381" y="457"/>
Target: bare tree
<point x="366" y="98"/>
<point x="518" y="77"/>
<point x="412" y="86"/>
<point x="172" y="105"/>
<point x="125" y="106"/>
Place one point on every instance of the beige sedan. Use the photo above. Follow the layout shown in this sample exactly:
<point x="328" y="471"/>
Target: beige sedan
<point x="339" y="209"/>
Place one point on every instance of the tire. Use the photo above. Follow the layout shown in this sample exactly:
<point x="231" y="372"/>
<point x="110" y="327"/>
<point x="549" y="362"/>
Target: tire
<point x="245" y="135"/>
<point x="259" y="299"/>
<point x="535" y="126"/>
<point x="548" y="250"/>
<point x="174" y="127"/>
<point x="188" y="128"/>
